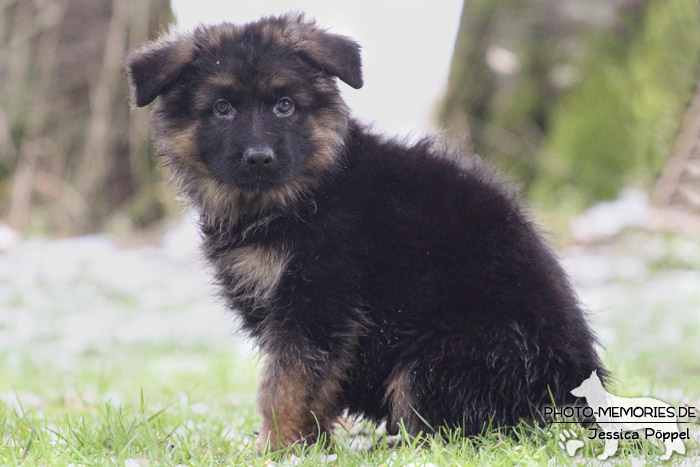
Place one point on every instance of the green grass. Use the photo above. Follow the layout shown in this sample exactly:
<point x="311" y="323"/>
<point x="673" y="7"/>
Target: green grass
<point x="189" y="399"/>
<point x="160" y="405"/>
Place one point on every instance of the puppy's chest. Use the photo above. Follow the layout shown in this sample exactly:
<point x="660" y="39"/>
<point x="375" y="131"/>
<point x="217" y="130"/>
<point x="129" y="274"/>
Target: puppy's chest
<point x="280" y="259"/>
<point x="252" y="273"/>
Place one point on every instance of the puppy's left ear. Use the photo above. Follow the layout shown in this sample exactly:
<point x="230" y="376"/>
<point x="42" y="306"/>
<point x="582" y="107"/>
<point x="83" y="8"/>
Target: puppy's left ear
<point x="337" y="55"/>
<point x="156" y="65"/>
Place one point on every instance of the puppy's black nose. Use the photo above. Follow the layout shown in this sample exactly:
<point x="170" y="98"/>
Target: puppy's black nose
<point x="259" y="156"/>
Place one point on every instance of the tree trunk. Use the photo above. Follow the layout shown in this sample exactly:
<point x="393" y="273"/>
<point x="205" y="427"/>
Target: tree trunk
<point x="71" y="152"/>
<point x="574" y="98"/>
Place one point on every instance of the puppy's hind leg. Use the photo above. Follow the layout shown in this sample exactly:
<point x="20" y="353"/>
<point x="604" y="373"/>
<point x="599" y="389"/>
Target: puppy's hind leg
<point x="402" y="396"/>
<point x="470" y="381"/>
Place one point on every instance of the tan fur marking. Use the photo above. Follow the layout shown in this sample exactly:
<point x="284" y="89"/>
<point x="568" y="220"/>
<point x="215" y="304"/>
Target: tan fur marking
<point x="282" y="397"/>
<point x="182" y="144"/>
<point x="195" y="183"/>
<point x="328" y="138"/>
<point x="224" y="80"/>
<point x="325" y="396"/>
<point x="398" y="394"/>
<point x="305" y="404"/>
<point x="303" y="409"/>
<point x="256" y="271"/>
<point x="278" y="81"/>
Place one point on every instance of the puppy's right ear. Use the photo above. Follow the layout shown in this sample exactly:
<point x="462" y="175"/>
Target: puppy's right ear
<point x="156" y="65"/>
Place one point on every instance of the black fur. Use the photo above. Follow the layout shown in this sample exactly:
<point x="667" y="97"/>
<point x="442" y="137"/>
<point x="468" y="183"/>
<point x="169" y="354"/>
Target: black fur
<point x="388" y="279"/>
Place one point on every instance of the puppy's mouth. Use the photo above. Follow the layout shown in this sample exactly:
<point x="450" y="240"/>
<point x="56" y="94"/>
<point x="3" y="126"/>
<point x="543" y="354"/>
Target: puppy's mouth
<point x="257" y="184"/>
<point x="254" y="172"/>
<point x="259" y="180"/>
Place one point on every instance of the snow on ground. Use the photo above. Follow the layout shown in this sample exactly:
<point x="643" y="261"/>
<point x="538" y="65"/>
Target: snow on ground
<point x="68" y="296"/>
<point x="61" y="298"/>
<point x="609" y="218"/>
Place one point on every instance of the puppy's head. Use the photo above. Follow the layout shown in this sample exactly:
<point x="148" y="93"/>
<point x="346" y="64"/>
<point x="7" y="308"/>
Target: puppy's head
<point x="247" y="116"/>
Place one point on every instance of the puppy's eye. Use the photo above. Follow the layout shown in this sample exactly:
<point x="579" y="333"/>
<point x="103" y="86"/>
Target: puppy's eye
<point x="222" y="108"/>
<point x="284" y="107"/>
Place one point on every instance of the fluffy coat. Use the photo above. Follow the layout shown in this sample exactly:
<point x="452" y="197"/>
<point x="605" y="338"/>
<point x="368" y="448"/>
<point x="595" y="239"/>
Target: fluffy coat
<point x="390" y="280"/>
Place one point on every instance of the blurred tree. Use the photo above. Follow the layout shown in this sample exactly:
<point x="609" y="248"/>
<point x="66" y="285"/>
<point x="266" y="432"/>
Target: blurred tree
<point x="677" y="190"/>
<point x="573" y="98"/>
<point x="71" y="152"/>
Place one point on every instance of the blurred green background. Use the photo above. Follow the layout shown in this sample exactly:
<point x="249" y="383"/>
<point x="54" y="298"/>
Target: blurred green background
<point x="73" y="158"/>
<point x="114" y="355"/>
<point x="574" y="100"/>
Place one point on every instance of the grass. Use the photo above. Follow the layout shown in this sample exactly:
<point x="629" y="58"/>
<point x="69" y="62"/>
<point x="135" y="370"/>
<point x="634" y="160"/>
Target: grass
<point x="160" y="405"/>
<point x="189" y="399"/>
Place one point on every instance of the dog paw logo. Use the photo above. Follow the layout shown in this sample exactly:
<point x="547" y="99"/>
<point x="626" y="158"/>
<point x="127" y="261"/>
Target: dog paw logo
<point x="569" y="443"/>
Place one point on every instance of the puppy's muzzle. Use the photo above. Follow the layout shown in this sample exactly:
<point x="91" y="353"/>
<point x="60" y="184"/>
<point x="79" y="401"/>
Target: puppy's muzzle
<point x="259" y="157"/>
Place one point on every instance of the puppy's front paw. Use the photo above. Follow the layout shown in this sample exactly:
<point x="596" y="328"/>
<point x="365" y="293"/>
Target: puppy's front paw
<point x="273" y="440"/>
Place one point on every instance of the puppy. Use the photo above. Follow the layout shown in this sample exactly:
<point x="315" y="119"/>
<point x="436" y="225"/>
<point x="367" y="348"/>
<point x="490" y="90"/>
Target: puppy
<point x="381" y="278"/>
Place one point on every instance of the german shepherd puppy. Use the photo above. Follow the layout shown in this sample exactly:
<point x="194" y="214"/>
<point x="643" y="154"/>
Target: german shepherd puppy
<point x="389" y="280"/>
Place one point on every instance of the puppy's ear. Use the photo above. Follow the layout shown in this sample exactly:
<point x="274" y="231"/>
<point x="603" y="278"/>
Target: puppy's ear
<point x="337" y="55"/>
<point x="156" y="65"/>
